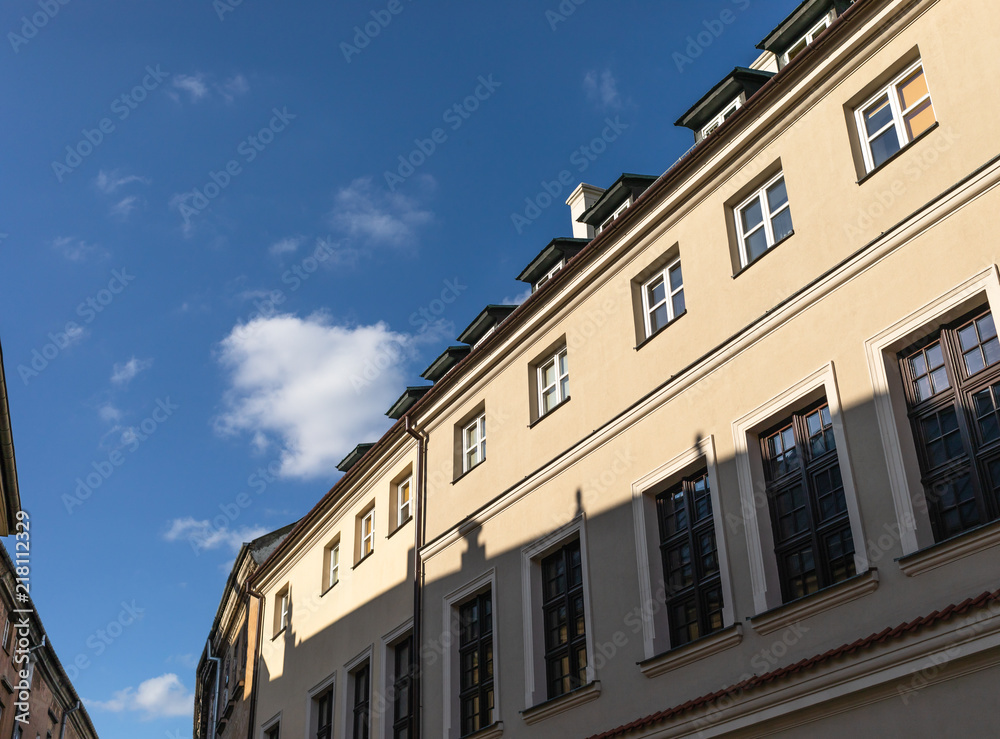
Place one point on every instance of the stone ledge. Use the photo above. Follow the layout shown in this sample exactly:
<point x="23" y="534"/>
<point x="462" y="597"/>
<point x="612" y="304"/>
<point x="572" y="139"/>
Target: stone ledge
<point x="945" y="552"/>
<point x="589" y="692"/>
<point x="802" y="608"/>
<point x="692" y="652"/>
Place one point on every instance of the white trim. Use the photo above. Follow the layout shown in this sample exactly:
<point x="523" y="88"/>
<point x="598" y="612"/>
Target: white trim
<point x="369" y="538"/>
<point x="618" y="211"/>
<point x="767" y="218"/>
<point x="400" y="518"/>
<point x="268" y="725"/>
<point x="451" y="710"/>
<point x="557" y="382"/>
<point x="531" y="608"/>
<point x="388" y="673"/>
<point x="479" y="445"/>
<point x="549" y="275"/>
<point x="809" y="36"/>
<point x="890" y="91"/>
<point x="890" y="405"/>
<point x="718" y="120"/>
<point x="760" y="542"/>
<point x="668" y="299"/>
<point x="330" y="681"/>
<point x="655" y="623"/>
<point x="366" y="655"/>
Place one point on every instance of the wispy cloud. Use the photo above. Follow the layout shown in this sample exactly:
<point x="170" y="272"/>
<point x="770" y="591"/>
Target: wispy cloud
<point x="204" y="535"/>
<point x="377" y="217"/>
<point x="519" y="297"/>
<point x="159" y="697"/>
<point x="108" y="182"/>
<point x="602" y="89"/>
<point x="124" y="207"/>
<point x="193" y="84"/>
<point x="199" y="87"/>
<point x="122" y="374"/>
<point x="77" y="250"/>
<point x="109" y="412"/>
<point x="285" y="246"/>
<point x="233" y="88"/>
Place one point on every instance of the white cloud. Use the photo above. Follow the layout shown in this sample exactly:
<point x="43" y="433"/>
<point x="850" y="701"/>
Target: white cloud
<point x="108" y="182"/>
<point x="285" y="246"/>
<point x="122" y="374"/>
<point x="159" y="697"/>
<point x="233" y="87"/>
<point x="203" y="534"/>
<point x="109" y="413"/>
<point x="376" y="216"/>
<point x="193" y="84"/>
<point x="76" y="250"/>
<point x="519" y="298"/>
<point x="602" y="89"/>
<point x="314" y="387"/>
<point x="124" y="207"/>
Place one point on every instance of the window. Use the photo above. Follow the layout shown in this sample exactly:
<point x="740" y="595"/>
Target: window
<point x="362" y="702"/>
<point x="333" y="564"/>
<point x="403" y="504"/>
<point x="553" y="382"/>
<point x="799" y="46"/>
<point x="476" y="663"/>
<point x="548" y="275"/>
<point x="323" y="710"/>
<point x="895" y="116"/>
<point x="809" y="518"/>
<point x="6" y="634"/>
<point x="663" y="298"/>
<point x="282" y="610"/>
<point x="763" y="220"/>
<point x="618" y="211"/>
<point x="690" y="559"/>
<point x="367" y="533"/>
<point x="565" y="631"/>
<point x="474" y="443"/>
<point x="721" y="118"/>
<point x="402" y="706"/>
<point x="953" y="396"/>
<point x="273" y="732"/>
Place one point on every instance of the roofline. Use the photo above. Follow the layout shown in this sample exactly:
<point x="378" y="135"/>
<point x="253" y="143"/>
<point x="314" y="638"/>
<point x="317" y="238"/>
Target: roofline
<point x="736" y="74"/>
<point x="613" y="188"/>
<point x="8" y="463"/>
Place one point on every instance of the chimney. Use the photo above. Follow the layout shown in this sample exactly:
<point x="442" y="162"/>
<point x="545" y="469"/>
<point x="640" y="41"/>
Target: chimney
<point x="579" y="202"/>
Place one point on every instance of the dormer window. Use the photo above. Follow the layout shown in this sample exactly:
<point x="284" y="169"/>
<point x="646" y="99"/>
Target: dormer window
<point x="548" y="275"/>
<point x="485" y="336"/>
<point x="721" y="118"/>
<point x="799" y="46"/>
<point x="618" y="211"/>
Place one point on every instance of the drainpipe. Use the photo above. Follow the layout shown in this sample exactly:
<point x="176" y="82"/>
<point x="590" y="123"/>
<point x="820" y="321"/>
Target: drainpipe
<point x="215" y="694"/>
<point x="62" y="729"/>
<point x="418" y="525"/>
<point x="251" y="593"/>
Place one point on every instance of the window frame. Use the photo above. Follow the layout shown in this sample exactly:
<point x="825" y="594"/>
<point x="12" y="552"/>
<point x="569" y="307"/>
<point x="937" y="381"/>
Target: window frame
<point x="549" y="275"/>
<point x="367" y="539"/>
<point x="479" y="445"/>
<point x="809" y="36"/>
<point x="709" y="128"/>
<point x="360" y="707"/>
<point x="483" y="689"/>
<point x="614" y="216"/>
<point x="668" y="300"/>
<point x="406" y="483"/>
<point x="759" y="197"/>
<point x="561" y="395"/>
<point x="333" y="564"/>
<point x="282" y="610"/>
<point x="401" y="725"/>
<point x="890" y="90"/>
<point x="563" y="601"/>
<point x="327" y="688"/>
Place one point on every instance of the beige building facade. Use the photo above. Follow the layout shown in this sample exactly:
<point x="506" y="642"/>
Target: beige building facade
<point x="743" y="470"/>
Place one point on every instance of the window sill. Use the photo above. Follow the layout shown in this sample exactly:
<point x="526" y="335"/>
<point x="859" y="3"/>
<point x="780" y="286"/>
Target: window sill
<point x="554" y="706"/>
<point x="6" y="684"/>
<point x="541" y="418"/>
<point x="898" y="154"/>
<point x="945" y="552"/>
<point x="493" y="731"/>
<point x="468" y="471"/>
<point x="360" y="561"/>
<point x="683" y="655"/>
<point x="400" y="527"/>
<point x="280" y="633"/>
<point x="653" y="336"/>
<point x="802" y="608"/>
<point x="329" y="589"/>
<point x="770" y="249"/>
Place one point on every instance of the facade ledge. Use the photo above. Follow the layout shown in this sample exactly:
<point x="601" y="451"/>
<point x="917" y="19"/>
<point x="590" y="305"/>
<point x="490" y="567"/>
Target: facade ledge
<point x="590" y="691"/>
<point x="6" y="684"/>
<point x="493" y="731"/>
<point x="546" y="415"/>
<point x="937" y="555"/>
<point x="803" y="608"/>
<point x="692" y="652"/>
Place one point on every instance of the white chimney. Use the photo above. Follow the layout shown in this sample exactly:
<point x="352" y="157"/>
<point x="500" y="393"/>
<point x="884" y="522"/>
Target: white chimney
<point x="582" y="198"/>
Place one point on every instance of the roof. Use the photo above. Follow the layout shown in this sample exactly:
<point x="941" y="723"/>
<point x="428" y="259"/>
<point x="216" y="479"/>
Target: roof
<point x="353" y="456"/>
<point x="556" y="250"/>
<point x="627" y="184"/>
<point x="795" y="26"/>
<point x="10" y="495"/>
<point x="261" y="547"/>
<point x="480" y="326"/>
<point x="869" y="642"/>
<point x="406" y="401"/>
<point x="448" y="359"/>
<point x="741" y="79"/>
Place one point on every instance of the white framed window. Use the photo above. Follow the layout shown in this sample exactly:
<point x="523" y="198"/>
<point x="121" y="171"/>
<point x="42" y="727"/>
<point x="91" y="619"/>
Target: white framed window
<point x="271" y="729"/>
<point x="404" y="503"/>
<point x="368" y="533"/>
<point x="799" y="46"/>
<point x="485" y="336"/>
<point x="333" y="565"/>
<point x="549" y="275"/>
<point x="282" y="610"/>
<point x="895" y="116"/>
<point x="610" y="219"/>
<point x="763" y="220"/>
<point x="6" y="633"/>
<point x="321" y="709"/>
<point x="721" y="118"/>
<point x="474" y="443"/>
<point x="553" y="382"/>
<point x="663" y="298"/>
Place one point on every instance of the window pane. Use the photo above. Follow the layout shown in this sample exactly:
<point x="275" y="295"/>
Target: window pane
<point x="919" y="119"/>
<point x="548" y="400"/>
<point x="911" y="90"/>
<point x="777" y="195"/>
<point x="756" y="244"/>
<point x="675" y="278"/>
<point x="799" y="47"/>
<point x="658" y="319"/>
<point x="752" y="216"/>
<point x="884" y="146"/>
<point x="657" y="292"/>
<point x="548" y="374"/>
<point x="677" y="302"/>
<point x="781" y="224"/>
<point x="878" y="116"/>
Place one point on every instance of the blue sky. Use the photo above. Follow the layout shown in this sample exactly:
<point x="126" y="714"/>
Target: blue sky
<point x="218" y="272"/>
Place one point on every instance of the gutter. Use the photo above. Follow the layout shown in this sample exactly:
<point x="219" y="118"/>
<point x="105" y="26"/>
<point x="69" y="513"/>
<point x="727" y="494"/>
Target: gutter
<point x="215" y="693"/>
<point x="251" y="593"/>
<point x="62" y="728"/>
<point x="418" y="523"/>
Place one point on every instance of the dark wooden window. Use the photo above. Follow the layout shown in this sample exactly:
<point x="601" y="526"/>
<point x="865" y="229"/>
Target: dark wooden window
<point x="362" y="702"/>
<point x="690" y="559"/>
<point x="812" y="531"/>
<point x="565" y="631"/>
<point x="952" y="385"/>
<point x="475" y="652"/>
<point x="402" y="684"/>
<point x="324" y="714"/>
<point x="274" y="732"/>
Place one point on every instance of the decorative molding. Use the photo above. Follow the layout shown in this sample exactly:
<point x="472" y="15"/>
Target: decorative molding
<point x="808" y="606"/>
<point x="692" y="652"/>
<point x="493" y="731"/>
<point x="971" y="542"/>
<point x="548" y="709"/>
